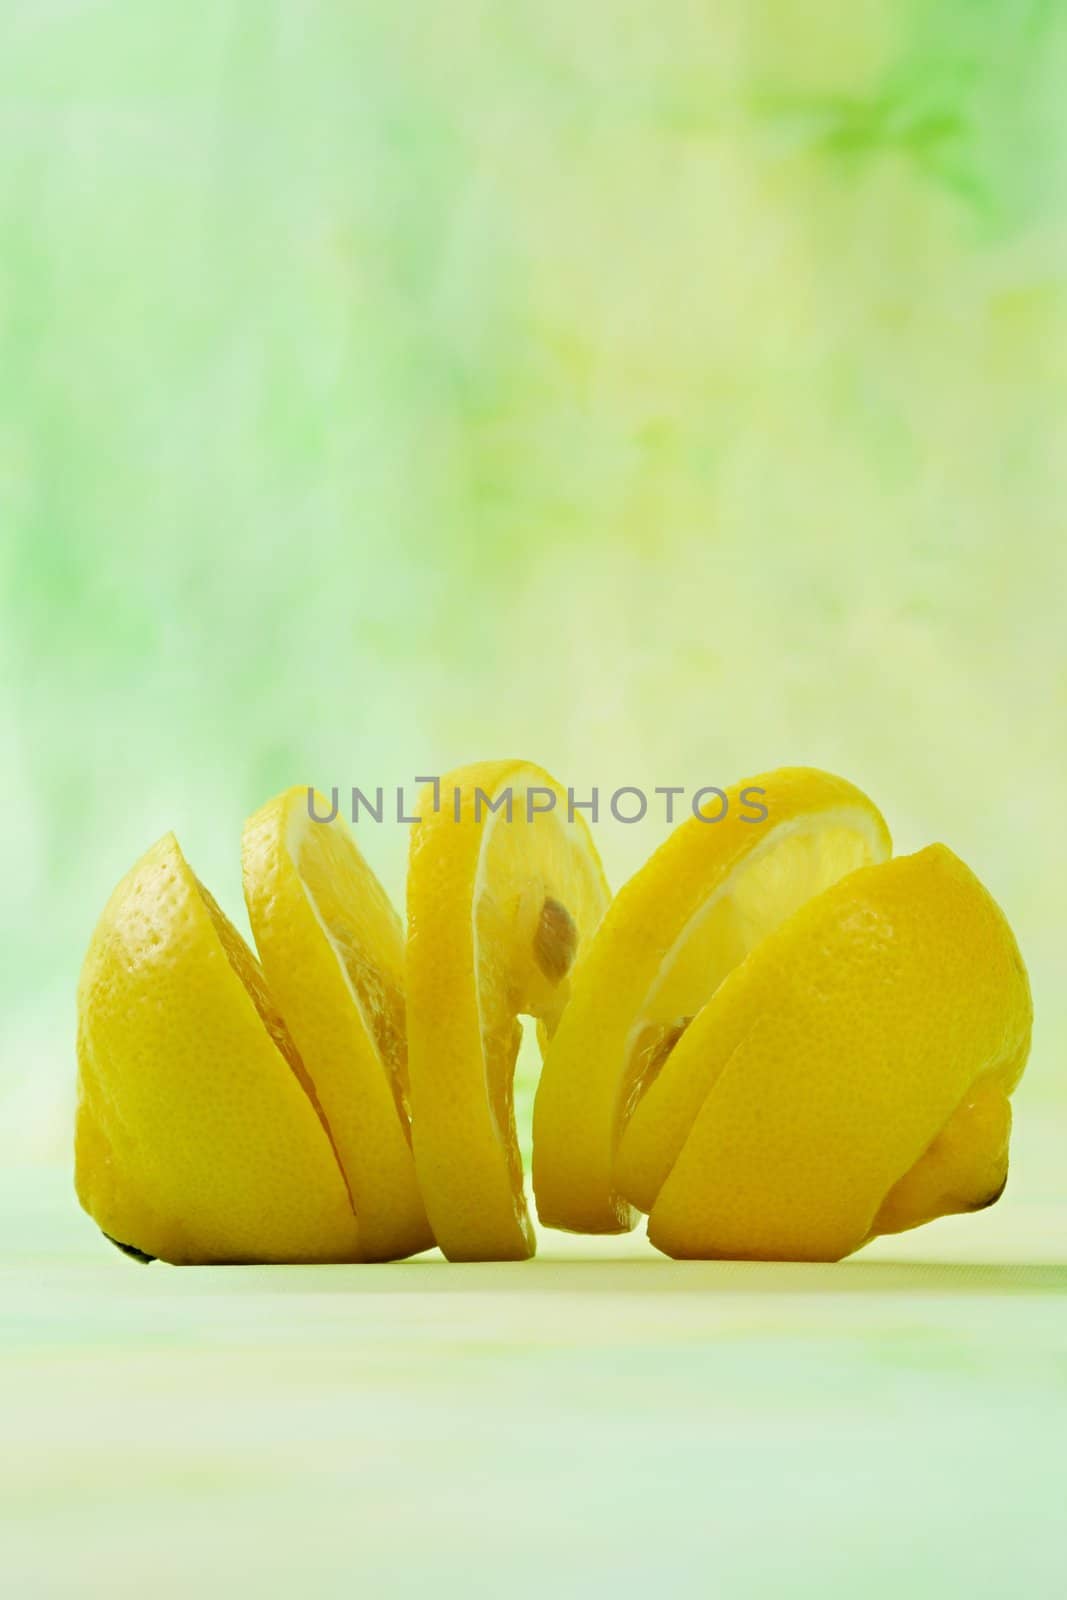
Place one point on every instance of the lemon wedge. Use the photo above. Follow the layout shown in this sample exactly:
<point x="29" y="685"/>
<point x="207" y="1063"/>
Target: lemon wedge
<point x="850" y="1078"/>
<point x="706" y="898"/>
<point x="332" y="949"/>
<point x="199" y="1137"/>
<point x="504" y="894"/>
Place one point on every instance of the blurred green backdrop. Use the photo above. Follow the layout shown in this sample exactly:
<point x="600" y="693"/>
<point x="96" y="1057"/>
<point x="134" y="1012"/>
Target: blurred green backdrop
<point x="661" y="391"/>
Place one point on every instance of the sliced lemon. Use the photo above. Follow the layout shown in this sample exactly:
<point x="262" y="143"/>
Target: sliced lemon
<point x="850" y="1077"/>
<point x="501" y="906"/>
<point x="332" y="948"/>
<point x="709" y="895"/>
<point x="199" y="1137"/>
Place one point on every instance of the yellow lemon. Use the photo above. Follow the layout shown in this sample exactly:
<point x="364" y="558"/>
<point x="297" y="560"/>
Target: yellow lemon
<point x="332" y="948"/>
<point x="504" y="894"/>
<point x="707" y="897"/>
<point x="199" y="1136"/>
<point x="850" y="1077"/>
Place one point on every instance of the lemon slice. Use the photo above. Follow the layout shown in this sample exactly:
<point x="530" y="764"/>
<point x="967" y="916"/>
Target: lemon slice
<point x="198" y="1137"/>
<point x="850" y="1078"/>
<point x="501" y="906"/>
<point x="710" y="894"/>
<point x="332" y="948"/>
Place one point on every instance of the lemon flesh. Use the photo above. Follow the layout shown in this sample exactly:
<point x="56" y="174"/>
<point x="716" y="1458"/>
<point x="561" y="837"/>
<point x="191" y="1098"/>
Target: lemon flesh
<point x="332" y="949"/>
<point x="199" y="1137"/>
<point x="500" y="911"/>
<point x="850" y="1077"/>
<point x="707" y="897"/>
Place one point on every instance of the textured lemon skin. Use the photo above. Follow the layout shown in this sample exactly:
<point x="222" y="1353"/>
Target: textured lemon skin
<point x="195" y="1139"/>
<point x="580" y="1108"/>
<point x="323" y="1009"/>
<point x="462" y="1040"/>
<point x="827" y="1066"/>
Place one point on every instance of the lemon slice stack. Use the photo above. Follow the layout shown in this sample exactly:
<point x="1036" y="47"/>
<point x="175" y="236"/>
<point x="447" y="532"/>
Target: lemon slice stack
<point x="777" y="1040"/>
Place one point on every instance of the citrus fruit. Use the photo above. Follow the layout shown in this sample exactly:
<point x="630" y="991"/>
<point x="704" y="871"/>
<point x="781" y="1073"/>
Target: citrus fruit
<point x="850" y="1077"/>
<point x="502" y="904"/>
<point x="199" y="1137"/>
<point x="332" y="949"/>
<point x="707" y="897"/>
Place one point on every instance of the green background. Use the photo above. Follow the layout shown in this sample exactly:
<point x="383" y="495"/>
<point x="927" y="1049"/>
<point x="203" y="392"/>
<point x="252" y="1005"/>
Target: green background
<point x="661" y="391"/>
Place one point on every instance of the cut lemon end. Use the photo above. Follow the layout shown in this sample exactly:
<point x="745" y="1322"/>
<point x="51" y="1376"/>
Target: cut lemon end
<point x="850" y="1077"/>
<point x="197" y="1137"/>
<point x="332" y="949"/>
<point x="501" y="906"/>
<point x="965" y="1168"/>
<point x="708" y="896"/>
